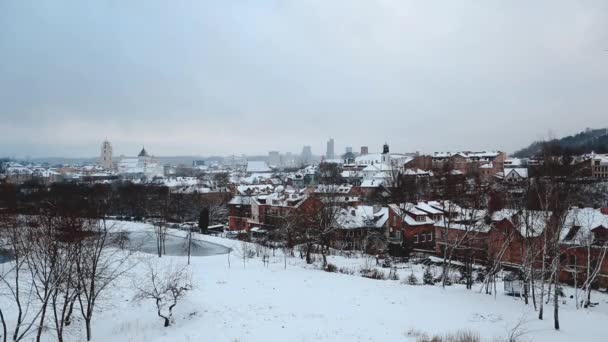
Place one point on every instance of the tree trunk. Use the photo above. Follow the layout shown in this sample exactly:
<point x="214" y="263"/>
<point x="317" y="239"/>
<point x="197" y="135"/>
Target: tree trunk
<point x="87" y="322"/>
<point x="68" y="318"/>
<point x="3" y="326"/>
<point x="189" y="245"/>
<point x="308" y="258"/>
<point x="533" y="288"/>
<point x="556" y="303"/>
<point x="526" y="286"/>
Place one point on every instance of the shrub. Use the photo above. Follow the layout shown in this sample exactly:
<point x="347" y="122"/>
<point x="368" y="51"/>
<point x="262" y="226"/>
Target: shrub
<point x="346" y="270"/>
<point x="331" y="268"/>
<point x="373" y="274"/>
<point x="412" y="280"/>
<point x="393" y="275"/>
<point x="458" y="336"/>
<point x="427" y="277"/>
<point x="480" y="277"/>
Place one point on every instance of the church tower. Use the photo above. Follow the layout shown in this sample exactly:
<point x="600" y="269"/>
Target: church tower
<point x="106" y="155"/>
<point x="386" y="157"/>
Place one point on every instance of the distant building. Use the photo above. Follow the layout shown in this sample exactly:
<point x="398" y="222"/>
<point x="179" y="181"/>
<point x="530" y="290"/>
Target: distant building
<point x="274" y="158"/>
<point x="382" y="158"/>
<point x="196" y="163"/>
<point x="330" y="153"/>
<point x="364" y="150"/>
<point x="106" y="155"/>
<point x="599" y="165"/>
<point x="487" y="163"/>
<point x="349" y="149"/>
<point x="306" y="155"/>
<point x="144" y="165"/>
<point x="256" y="166"/>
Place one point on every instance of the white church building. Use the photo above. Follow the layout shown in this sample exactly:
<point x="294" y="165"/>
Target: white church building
<point x="144" y="165"/>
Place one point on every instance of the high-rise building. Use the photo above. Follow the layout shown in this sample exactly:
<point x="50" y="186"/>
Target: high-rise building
<point x="306" y="155"/>
<point x="364" y="150"/>
<point x="330" y="154"/>
<point x="106" y="155"/>
<point x="349" y="149"/>
<point x="274" y="158"/>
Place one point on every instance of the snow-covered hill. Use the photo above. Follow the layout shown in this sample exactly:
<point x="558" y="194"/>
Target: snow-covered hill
<point x="299" y="302"/>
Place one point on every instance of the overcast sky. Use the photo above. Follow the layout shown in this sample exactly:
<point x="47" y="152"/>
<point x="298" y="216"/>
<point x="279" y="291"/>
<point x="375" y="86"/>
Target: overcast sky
<point x="224" y="77"/>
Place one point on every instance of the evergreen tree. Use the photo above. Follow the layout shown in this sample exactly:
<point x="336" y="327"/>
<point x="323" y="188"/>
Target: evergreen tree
<point x="412" y="280"/>
<point x="203" y="220"/>
<point x="427" y="278"/>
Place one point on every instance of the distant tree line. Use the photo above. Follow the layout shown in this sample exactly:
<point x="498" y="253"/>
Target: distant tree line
<point x="591" y="140"/>
<point x="125" y="200"/>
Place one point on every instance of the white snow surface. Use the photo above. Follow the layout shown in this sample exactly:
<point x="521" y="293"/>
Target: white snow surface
<point x="302" y="303"/>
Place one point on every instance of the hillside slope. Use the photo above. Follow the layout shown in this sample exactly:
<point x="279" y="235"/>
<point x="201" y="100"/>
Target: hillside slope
<point x="595" y="140"/>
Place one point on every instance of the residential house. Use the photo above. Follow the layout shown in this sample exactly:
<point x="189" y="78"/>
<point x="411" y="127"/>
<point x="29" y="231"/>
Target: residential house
<point x="361" y="228"/>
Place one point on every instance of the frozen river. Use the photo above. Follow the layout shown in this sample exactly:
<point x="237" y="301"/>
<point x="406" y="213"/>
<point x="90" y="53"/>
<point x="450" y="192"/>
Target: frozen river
<point x="175" y="246"/>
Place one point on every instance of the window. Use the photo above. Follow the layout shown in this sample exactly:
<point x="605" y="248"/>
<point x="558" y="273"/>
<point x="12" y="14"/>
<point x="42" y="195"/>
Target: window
<point x="416" y="238"/>
<point x="398" y="235"/>
<point x="423" y="237"/>
<point x="430" y="237"/>
<point x="420" y="218"/>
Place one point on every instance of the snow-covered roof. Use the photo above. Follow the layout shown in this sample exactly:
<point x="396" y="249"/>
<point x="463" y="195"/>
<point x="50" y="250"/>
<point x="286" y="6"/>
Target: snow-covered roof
<point x="579" y="224"/>
<point x="286" y="198"/>
<point x="332" y="188"/>
<point x="376" y="158"/>
<point x="514" y="162"/>
<point x="372" y="183"/>
<point x="15" y="170"/>
<point x="428" y="208"/>
<point x="334" y="161"/>
<point x="351" y="174"/>
<point x="257" y="166"/>
<point x="255" y="189"/>
<point x="240" y="200"/>
<point x="378" y="168"/>
<point x="362" y="217"/>
<point x="407" y="210"/>
<point x="467" y="154"/>
<point x="176" y="181"/>
<point x="516" y="172"/>
<point x="417" y="172"/>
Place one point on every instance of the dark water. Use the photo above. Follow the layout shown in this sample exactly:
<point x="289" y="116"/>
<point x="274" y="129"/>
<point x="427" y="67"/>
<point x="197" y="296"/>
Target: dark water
<point x="5" y="256"/>
<point x="175" y="246"/>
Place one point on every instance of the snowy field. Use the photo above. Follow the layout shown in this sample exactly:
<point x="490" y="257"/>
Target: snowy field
<point x="299" y="302"/>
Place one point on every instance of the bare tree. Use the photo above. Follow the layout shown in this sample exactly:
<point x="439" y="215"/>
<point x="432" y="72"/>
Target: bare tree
<point x="245" y="251"/>
<point x="165" y="286"/>
<point x="44" y="261"/>
<point x="319" y="224"/>
<point x="102" y="260"/>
